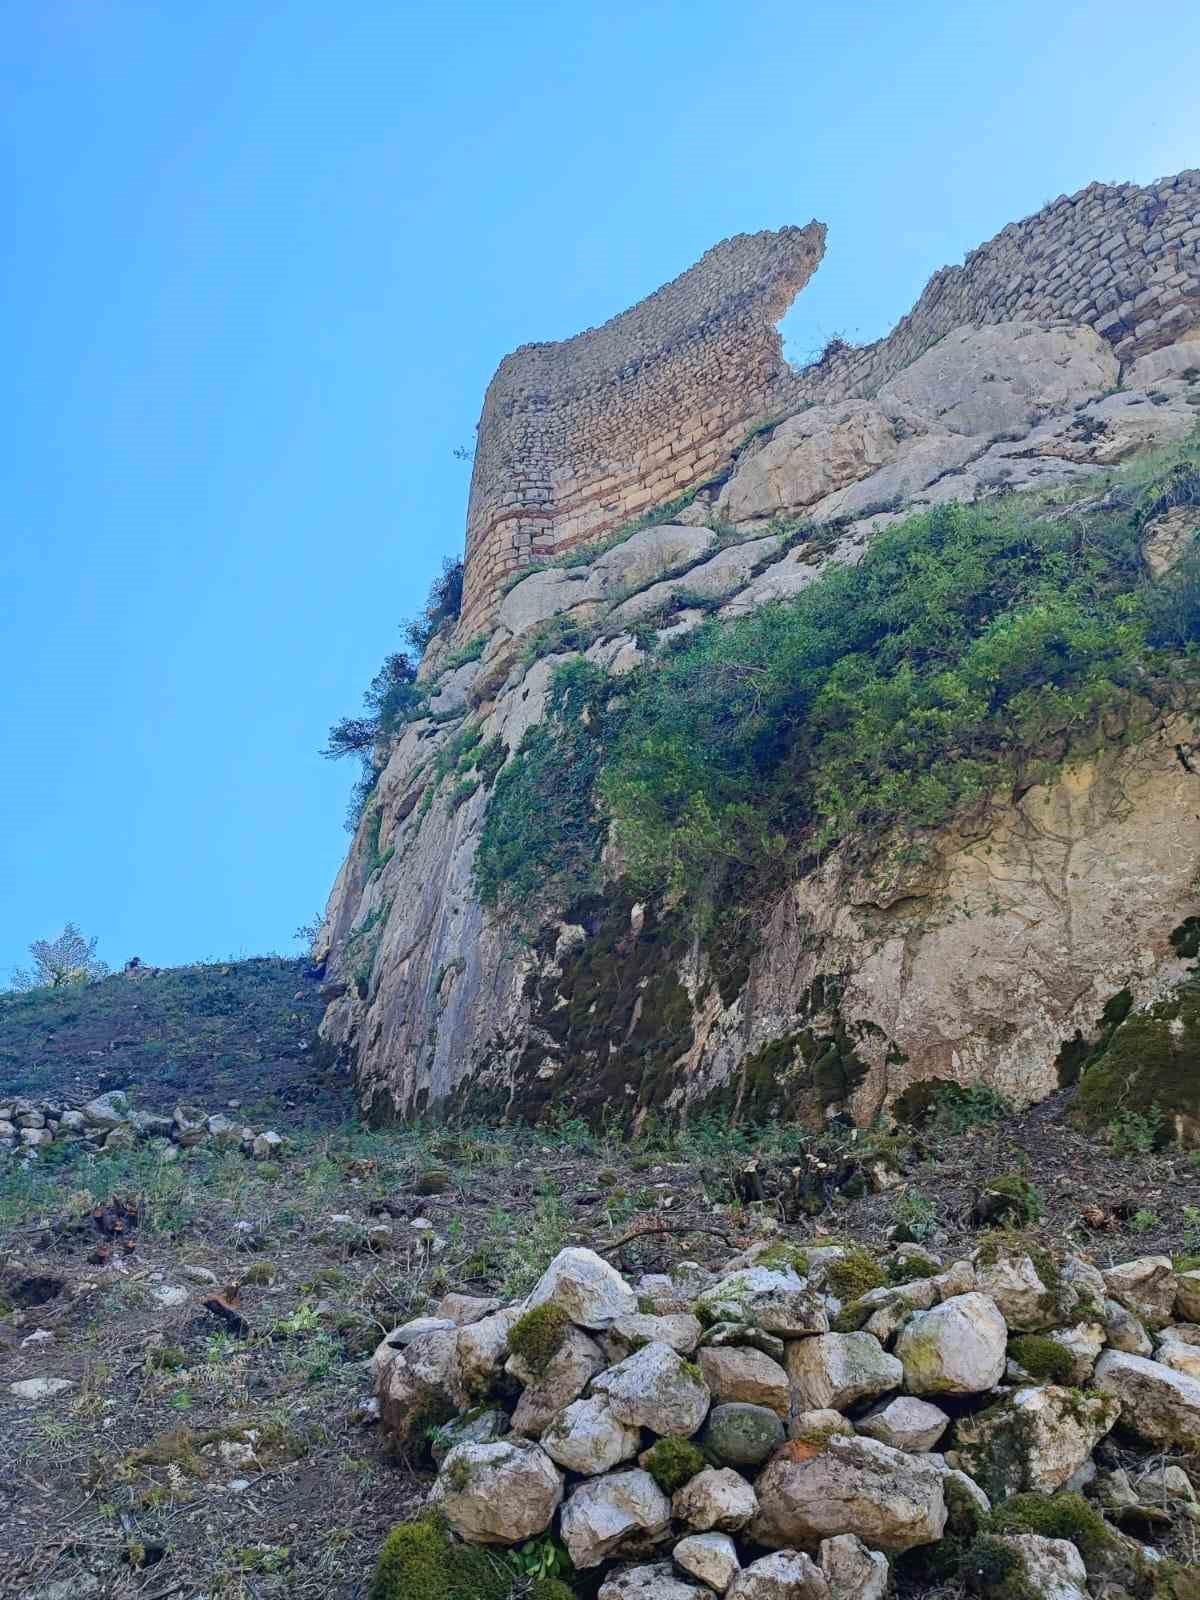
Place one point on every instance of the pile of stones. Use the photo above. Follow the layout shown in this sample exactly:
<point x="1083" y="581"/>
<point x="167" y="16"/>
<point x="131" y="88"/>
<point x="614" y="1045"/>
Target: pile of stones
<point x="790" y="1426"/>
<point x="110" y="1124"/>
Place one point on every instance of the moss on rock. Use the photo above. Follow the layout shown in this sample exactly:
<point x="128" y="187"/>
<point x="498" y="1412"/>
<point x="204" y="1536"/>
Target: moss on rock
<point x="674" y="1462"/>
<point x="420" y="1561"/>
<point x="1150" y="1062"/>
<point x="537" y="1336"/>
<point x="1042" y="1358"/>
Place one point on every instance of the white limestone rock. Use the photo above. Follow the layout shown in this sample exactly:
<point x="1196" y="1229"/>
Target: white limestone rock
<point x="958" y="1347"/>
<point x="716" y="1499"/>
<point x="775" y="1299"/>
<point x="498" y="1494"/>
<point x="1053" y="1568"/>
<point x="905" y="1423"/>
<point x="1158" y="1404"/>
<point x="737" y="1374"/>
<point x="653" y="1582"/>
<point x="680" y="1330"/>
<point x="566" y="1376"/>
<point x="890" y="1500"/>
<point x="655" y="1388"/>
<point x="785" y="1575"/>
<point x="1146" y="1287"/>
<point x="1036" y="1440"/>
<point x="585" y="1437"/>
<point x="603" y="1513"/>
<point x="711" y="1557"/>
<point x="852" y="1571"/>
<point x="592" y="1293"/>
<point x="833" y="1371"/>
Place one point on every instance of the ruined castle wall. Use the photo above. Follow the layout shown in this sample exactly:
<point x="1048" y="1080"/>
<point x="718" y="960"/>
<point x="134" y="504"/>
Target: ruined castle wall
<point x="580" y="437"/>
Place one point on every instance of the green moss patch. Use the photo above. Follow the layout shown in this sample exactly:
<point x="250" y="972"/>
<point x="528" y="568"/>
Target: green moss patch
<point x="1042" y="1358"/>
<point x="674" y="1462"/>
<point x="854" y="1274"/>
<point x="420" y="1561"/>
<point x="537" y="1336"/>
<point x="1151" y="1062"/>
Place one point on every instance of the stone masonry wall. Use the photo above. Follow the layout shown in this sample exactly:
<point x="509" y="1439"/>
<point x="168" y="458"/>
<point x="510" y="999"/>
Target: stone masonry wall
<point x="580" y="437"/>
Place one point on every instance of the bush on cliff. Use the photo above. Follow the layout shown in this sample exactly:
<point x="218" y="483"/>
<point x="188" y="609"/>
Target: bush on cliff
<point x="970" y="652"/>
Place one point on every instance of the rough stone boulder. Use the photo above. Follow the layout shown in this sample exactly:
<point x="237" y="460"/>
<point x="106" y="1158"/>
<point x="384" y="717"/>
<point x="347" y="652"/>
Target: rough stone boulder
<point x="481" y="1351"/>
<point x="711" y="1557"/>
<point x="603" y="1513"/>
<point x="1147" y="1287"/>
<point x="654" y="1582"/>
<point x="905" y="1423"/>
<point x="1012" y="1281"/>
<point x="716" y="1499"/>
<point x="786" y="1575"/>
<point x="651" y="553"/>
<point x="807" y="457"/>
<point x="717" y="578"/>
<point x="852" y="1571"/>
<point x="1004" y="377"/>
<point x="736" y="1374"/>
<point x="1036" y="1439"/>
<point x="592" y="1293"/>
<point x="1158" y="1404"/>
<point x="1083" y="1343"/>
<point x="957" y="1347"/>
<point x="1052" y="1569"/>
<point x="586" y="1438"/>
<point x="836" y="1370"/>
<point x="655" y="1388"/>
<point x="890" y="1500"/>
<point x="1123" y="1331"/>
<point x="498" y="1493"/>
<point x="678" y="1329"/>
<point x="742" y="1434"/>
<point x="775" y="1299"/>
<point x="563" y="1380"/>
<point x="1179" y="1353"/>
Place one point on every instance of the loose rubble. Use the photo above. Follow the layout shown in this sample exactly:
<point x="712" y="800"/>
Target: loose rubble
<point x="739" y="1444"/>
<point x="109" y="1122"/>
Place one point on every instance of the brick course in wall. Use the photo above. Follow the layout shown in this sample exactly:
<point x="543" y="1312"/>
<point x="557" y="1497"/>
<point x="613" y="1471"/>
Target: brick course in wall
<point x="580" y="437"/>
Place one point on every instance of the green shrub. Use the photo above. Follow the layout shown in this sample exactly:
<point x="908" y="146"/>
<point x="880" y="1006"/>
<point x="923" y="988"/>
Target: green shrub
<point x="1012" y="1199"/>
<point x="537" y="1336"/>
<point x="1135" y="1133"/>
<point x="674" y="1462"/>
<point x="1042" y="1358"/>
<point x="419" y="1561"/>
<point x="540" y="845"/>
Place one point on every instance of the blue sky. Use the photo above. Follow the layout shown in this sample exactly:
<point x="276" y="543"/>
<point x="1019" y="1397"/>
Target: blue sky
<point x="261" y="258"/>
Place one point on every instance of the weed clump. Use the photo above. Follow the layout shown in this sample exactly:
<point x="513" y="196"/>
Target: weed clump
<point x="674" y="1462"/>
<point x="784" y="1255"/>
<point x="538" y="1335"/>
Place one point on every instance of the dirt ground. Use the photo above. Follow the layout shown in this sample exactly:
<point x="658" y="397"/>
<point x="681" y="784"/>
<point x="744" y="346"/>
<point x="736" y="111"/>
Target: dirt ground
<point x="196" y="1453"/>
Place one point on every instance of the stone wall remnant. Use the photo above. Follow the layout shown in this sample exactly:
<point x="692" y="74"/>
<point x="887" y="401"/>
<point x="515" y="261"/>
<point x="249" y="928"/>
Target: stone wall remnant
<point x="580" y="437"/>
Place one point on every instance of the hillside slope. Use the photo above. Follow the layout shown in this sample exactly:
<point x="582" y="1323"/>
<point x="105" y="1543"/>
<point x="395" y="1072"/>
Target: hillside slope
<point x="205" y="1034"/>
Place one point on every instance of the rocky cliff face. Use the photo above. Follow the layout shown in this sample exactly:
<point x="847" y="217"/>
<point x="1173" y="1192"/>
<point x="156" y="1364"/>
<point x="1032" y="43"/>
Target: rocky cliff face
<point x="986" y="954"/>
